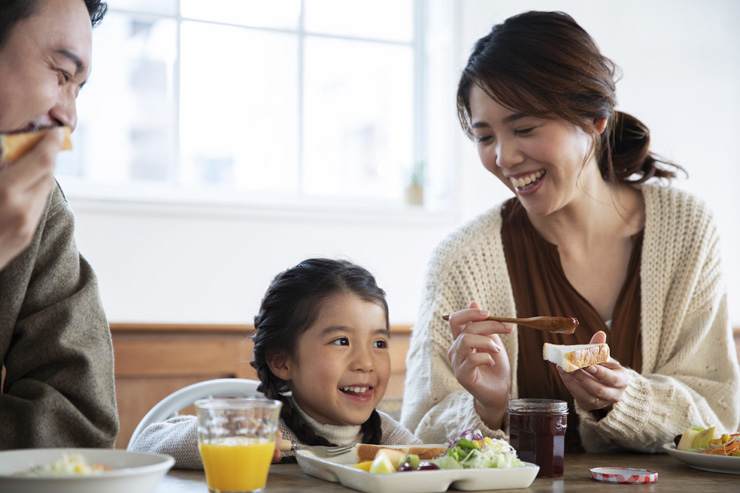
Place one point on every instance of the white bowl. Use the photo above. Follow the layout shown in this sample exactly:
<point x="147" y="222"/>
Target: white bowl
<point x="133" y="472"/>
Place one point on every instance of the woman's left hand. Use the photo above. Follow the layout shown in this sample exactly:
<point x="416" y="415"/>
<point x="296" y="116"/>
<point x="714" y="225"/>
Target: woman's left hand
<point x="598" y="386"/>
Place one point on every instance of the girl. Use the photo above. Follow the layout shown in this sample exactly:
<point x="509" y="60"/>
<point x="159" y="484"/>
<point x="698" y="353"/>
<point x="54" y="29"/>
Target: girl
<point x="585" y="235"/>
<point x="321" y="347"/>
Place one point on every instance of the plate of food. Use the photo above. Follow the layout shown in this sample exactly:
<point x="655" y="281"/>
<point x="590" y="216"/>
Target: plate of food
<point x="470" y="462"/>
<point x="81" y="470"/>
<point x="705" y="449"/>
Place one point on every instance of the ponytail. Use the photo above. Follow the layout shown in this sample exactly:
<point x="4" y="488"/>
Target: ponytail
<point x="625" y="153"/>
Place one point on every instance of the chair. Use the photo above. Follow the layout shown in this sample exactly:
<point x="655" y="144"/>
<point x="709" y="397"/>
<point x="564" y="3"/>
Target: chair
<point x="170" y="405"/>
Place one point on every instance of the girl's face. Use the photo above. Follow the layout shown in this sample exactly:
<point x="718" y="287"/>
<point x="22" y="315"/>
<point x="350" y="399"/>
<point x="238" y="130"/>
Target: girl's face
<point x="540" y="160"/>
<point x="342" y="365"/>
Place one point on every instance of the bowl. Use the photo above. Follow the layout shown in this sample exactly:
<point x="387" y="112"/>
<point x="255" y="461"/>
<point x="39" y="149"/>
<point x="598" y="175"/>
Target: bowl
<point x="137" y="472"/>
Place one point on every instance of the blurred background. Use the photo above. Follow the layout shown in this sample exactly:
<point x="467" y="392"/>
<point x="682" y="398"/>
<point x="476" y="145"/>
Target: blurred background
<point x="221" y="142"/>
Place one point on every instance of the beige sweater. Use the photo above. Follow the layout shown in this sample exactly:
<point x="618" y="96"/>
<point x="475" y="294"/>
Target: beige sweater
<point x="690" y="373"/>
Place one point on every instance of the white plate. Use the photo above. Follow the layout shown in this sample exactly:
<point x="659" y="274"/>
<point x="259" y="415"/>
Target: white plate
<point x="339" y="469"/>
<point x="705" y="462"/>
<point x="132" y="471"/>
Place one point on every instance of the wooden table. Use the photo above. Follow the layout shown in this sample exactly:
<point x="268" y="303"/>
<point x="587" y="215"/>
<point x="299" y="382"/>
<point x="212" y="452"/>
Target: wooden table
<point x="673" y="476"/>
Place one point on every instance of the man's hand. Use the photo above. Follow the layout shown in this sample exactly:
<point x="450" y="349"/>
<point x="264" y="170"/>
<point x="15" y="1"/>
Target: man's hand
<point x="24" y="190"/>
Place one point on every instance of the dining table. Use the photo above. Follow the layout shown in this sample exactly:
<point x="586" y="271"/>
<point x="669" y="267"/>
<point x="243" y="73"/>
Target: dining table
<point x="673" y="476"/>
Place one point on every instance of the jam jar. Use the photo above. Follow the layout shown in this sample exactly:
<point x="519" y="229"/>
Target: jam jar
<point x="537" y="432"/>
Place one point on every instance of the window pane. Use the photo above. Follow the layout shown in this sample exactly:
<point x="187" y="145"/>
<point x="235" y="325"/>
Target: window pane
<point x="165" y="7"/>
<point x="358" y="128"/>
<point x="391" y="20"/>
<point x="238" y="119"/>
<point x="126" y="111"/>
<point x="259" y="13"/>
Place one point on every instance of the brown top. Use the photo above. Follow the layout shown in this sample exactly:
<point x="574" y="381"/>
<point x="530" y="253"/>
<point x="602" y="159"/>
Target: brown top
<point x="541" y="288"/>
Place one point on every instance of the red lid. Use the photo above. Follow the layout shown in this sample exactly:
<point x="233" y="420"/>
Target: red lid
<point x="623" y="475"/>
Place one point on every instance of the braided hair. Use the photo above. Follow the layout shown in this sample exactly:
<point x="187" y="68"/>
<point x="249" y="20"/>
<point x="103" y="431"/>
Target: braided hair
<point x="290" y="306"/>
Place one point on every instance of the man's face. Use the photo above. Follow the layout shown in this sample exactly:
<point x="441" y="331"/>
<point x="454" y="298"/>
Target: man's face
<point x="43" y="65"/>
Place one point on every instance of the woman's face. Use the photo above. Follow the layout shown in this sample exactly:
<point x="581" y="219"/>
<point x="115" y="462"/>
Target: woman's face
<point x="43" y="65"/>
<point x="540" y="160"/>
<point x="342" y="364"/>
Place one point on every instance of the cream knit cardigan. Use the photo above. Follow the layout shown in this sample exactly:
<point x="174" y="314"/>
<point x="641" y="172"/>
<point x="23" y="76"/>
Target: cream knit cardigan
<point x="690" y="374"/>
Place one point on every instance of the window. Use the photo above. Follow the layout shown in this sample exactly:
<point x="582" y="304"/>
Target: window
<point x="293" y="102"/>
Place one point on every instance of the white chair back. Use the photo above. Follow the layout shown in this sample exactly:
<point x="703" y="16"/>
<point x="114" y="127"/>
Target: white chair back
<point x="170" y="405"/>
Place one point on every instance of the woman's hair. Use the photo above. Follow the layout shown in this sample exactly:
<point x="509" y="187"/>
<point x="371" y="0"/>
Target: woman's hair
<point x="545" y="65"/>
<point x="290" y="306"/>
<point x="14" y="11"/>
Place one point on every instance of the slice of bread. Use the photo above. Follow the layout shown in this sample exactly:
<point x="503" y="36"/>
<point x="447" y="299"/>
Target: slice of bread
<point x="571" y="358"/>
<point x="14" y="146"/>
<point x="427" y="453"/>
<point x="365" y="452"/>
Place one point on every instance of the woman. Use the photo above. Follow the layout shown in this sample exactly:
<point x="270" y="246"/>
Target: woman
<point x="586" y="236"/>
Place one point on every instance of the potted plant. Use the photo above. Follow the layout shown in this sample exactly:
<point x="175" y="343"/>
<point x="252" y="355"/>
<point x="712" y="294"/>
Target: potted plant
<point x="414" y="191"/>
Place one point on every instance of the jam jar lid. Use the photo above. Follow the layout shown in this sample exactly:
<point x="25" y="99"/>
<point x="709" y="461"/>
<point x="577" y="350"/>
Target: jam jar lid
<point x="551" y="406"/>
<point x="623" y="475"/>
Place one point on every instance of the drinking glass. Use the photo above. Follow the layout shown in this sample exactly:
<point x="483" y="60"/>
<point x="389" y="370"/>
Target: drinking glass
<point x="236" y="438"/>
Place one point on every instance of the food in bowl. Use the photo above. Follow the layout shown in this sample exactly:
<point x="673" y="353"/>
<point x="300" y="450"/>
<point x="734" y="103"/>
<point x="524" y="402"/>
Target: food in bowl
<point x="706" y="441"/>
<point x="468" y="450"/>
<point x="68" y="465"/>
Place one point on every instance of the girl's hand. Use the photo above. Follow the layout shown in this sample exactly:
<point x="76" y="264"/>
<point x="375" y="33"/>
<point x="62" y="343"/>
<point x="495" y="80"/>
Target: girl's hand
<point x="277" y="456"/>
<point x="598" y="386"/>
<point x="480" y="363"/>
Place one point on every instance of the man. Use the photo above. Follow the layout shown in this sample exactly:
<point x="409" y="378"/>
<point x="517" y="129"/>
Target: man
<point x="55" y="345"/>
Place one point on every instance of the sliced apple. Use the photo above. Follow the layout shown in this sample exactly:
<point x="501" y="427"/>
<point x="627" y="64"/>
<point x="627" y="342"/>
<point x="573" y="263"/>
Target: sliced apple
<point x="395" y="455"/>
<point x="702" y="439"/>
<point x="688" y="438"/>
<point x="382" y="464"/>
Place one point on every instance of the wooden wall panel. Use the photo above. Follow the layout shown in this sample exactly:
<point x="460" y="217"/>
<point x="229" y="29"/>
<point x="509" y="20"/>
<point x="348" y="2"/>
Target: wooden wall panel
<point x="154" y="360"/>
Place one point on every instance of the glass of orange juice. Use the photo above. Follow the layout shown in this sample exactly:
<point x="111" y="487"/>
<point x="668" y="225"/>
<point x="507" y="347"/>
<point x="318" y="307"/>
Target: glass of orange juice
<point x="236" y="438"/>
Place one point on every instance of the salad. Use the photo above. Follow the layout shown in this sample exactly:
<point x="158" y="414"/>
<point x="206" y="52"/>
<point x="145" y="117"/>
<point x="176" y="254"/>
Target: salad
<point x="471" y="450"/>
<point x="706" y="441"/>
<point x="725" y="445"/>
<point x="68" y="465"/>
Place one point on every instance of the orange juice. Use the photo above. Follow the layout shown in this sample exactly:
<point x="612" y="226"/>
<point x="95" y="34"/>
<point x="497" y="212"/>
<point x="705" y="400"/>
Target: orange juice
<point x="237" y="463"/>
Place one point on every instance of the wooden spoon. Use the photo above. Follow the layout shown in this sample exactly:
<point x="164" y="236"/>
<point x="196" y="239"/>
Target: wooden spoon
<point x="562" y="325"/>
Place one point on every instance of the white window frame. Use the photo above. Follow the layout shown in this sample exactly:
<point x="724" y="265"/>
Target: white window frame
<point x="109" y="199"/>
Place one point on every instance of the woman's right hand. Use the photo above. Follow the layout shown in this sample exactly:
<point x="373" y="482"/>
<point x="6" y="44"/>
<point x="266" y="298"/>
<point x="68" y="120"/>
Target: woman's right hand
<point x="480" y="363"/>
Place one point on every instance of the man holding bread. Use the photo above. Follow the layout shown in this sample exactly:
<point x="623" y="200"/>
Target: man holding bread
<point x="55" y="346"/>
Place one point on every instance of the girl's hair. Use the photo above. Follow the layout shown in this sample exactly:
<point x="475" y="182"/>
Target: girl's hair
<point x="545" y="65"/>
<point x="290" y="306"/>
